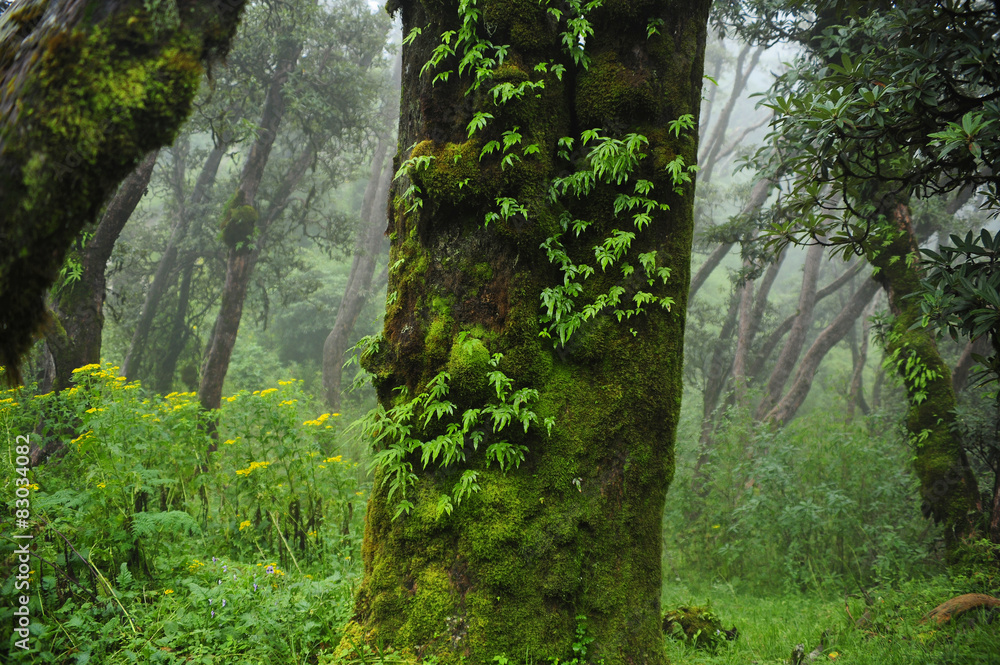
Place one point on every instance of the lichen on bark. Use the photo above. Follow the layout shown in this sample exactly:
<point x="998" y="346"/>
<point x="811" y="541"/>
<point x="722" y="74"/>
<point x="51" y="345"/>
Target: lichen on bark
<point x="86" y="90"/>
<point x="576" y="528"/>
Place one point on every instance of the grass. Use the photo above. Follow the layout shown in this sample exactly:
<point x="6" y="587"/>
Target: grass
<point x="891" y="634"/>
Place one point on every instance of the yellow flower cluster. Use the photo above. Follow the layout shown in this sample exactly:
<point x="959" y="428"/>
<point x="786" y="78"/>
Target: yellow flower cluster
<point x="286" y="383"/>
<point x="288" y="402"/>
<point x="244" y="524"/>
<point x="320" y="419"/>
<point x="268" y="391"/>
<point x="229" y="442"/>
<point x="80" y="439"/>
<point x="253" y="467"/>
<point x="195" y="565"/>
<point x="331" y="460"/>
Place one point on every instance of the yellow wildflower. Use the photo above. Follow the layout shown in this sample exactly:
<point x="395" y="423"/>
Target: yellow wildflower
<point x="288" y="402"/>
<point x="286" y="383"/>
<point x="86" y="368"/>
<point x="229" y="442"/>
<point x="268" y="391"/>
<point x="330" y="460"/>
<point x="253" y="467"/>
<point x="834" y="654"/>
<point x="101" y="486"/>
<point x="166" y="591"/>
<point x="244" y="524"/>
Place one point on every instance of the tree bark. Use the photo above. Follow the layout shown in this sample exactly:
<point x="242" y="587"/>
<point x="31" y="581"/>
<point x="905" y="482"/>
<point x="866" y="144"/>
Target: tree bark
<point x="797" y="336"/>
<point x="785" y="409"/>
<point x="576" y="529"/>
<point x="74" y="339"/>
<point x="74" y="123"/>
<point x="243" y="232"/>
<point x="960" y="375"/>
<point x="947" y="484"/>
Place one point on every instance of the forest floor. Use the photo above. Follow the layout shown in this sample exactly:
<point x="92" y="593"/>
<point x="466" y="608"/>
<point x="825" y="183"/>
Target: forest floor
<point x="884" y="628"/>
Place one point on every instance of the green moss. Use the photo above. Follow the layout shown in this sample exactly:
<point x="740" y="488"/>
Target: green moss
<point x="239" y="223"/>
<point x="453" y="176"/>
<point x="85" y="102"/>
<point x="698" y="625"/>
<point x="609" y="92"/>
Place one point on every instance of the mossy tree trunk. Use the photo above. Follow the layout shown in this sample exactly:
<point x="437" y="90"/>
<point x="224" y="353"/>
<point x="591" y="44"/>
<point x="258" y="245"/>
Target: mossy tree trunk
<point x="947" y="485"/>
<point x="574" y="530"/>
<point x="74" y="339"/>
<point x="86" y="90"/>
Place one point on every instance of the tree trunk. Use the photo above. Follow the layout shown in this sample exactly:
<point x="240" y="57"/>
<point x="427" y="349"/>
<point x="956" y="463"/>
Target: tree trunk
<point x="165" y="268"/>
<point x="180" y="333"/>
<point x="713" y="146"/>
<point x="947" y="484"/>
<point x="856" y="392"/>
<point x="797" y="336"/>
<point x="574" y="530"/>
<point x="771" y="343"/>
<point x="243" y="232"/>
<point x="74" y="339"/>
<point x="75" y="121"/>
<point x="758" y="195"/>
<point x="359" y="281"/>
<point x="785" y="409"/>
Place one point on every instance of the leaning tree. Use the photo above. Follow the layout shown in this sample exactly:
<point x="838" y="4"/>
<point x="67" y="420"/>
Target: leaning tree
<point x="529" y="370"/>
<point x="86" y="90"/>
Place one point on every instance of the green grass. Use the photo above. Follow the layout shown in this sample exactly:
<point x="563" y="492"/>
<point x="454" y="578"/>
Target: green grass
<point x="770" y="627"/>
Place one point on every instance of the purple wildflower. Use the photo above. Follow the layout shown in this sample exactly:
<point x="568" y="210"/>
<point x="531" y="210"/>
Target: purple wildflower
<point x="214" y="559"/>
<point x="213" y="614"/>
<point x="223" y="602"/>
<point x="223" y="568"/>
<point x="269" y="570"/>
<point x="254" y="586"/>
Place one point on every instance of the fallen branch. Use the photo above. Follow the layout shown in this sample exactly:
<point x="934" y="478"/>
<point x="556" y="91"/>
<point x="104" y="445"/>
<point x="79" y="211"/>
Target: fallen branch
<point x="959" y="604"/>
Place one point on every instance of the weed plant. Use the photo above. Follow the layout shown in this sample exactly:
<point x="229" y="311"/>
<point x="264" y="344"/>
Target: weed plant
<point x="817" y="504"/>
<point x="150" y="548"/>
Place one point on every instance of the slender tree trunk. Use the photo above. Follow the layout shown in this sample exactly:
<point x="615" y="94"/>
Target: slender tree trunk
<point x="243" y="232"/>
<point x="713" y="145"/>
<point x="855" y="392"/>
<point x="576" y="529"/>
<point x="179" y="332"/>
<point x="797" y="336"/>
<point x="165" y="268"/>
<point x="785" y="409"/>
<point x="359" y="281"/>
<point x="771" y="343"/>
<point x="758" y="195"/>
<point x="947" y="484"/>
<point x="75" y="338"/>
<point x="65" y="144"/>
<point x="960" y="375"/>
